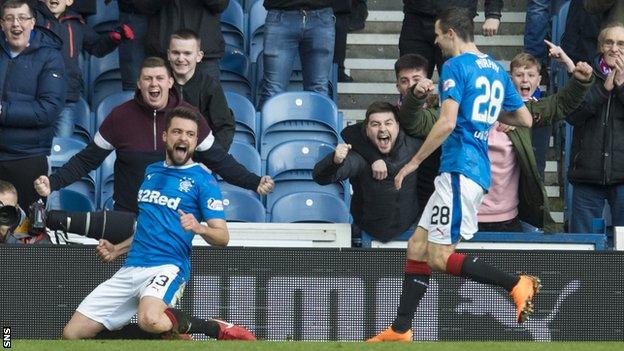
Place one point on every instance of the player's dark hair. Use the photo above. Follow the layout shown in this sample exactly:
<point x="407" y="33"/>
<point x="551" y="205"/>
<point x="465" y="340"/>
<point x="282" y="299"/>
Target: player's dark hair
<point x="15" y="4"/>
<point x="460" y="20"/>
<point x="154" y="62"/>
<point x="186" y="34"/>
<point x="182" y="112"/>
<point x="410" y="61"/>
<point x="380" y="107"/>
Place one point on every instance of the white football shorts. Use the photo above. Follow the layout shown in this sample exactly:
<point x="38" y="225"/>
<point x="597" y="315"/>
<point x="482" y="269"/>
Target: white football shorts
<point x="114" y="302"/>
<point x="451" y="211"/>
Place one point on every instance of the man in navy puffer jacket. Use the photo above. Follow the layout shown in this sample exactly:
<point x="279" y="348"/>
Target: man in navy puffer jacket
<point x="32" y="94"/>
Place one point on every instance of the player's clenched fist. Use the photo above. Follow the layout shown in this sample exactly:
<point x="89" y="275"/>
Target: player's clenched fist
<point x="266" y="185"/>
<point x="583" y="71"/>
<point x="42" y="186"/>
<point x="105" y="251"/>
<point x="189" y="222"/>
<point x="423" y="88"/>
<point x="341" y="153"/>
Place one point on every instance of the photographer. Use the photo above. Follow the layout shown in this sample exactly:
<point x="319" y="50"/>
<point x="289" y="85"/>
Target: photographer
<point x="14" y="225"/>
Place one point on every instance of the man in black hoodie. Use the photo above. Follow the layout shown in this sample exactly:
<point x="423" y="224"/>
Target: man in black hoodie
<point x="32" y="93"/>
<point x="197" y="87"/>
<point x="376" y="206"/>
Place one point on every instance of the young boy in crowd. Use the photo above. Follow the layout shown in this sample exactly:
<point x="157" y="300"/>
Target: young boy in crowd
<point x="77" y="35"/>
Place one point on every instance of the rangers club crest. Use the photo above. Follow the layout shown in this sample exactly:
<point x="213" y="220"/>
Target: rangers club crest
<point x="186" y="184"/>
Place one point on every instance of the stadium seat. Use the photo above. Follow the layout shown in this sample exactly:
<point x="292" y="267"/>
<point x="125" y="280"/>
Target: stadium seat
<point x="290" y="164"/>
<point x="108" y="104"/>
<point x="298" y="116"/>
<point x="79" y="196"/>
<point x="107" y="182"/>
<point x="245" y="117"/>
<point x="310" y="207"/>
<point x="104" y="77"/>
<point x="242" y="206"/>
<point x="246" y="155"/>
<point x="257" y="16"/>
<point x="234" y="68"/>
<point x="83" y="121"/>
<point x="63" y="149"/>
<point x="106" y="16"/>
<point x="233" y="25"/>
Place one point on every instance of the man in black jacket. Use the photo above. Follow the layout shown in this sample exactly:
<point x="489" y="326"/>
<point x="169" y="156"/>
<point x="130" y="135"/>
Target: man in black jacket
<point x="597" y="163"/>
<point x="417" y="33"/>
<point x="197" y="87"/>
<point x="133" y="131"/>
<point x="376" y="206"/>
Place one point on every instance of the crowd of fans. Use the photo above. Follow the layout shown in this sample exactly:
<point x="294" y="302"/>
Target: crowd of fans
<point x="169" y="55"/>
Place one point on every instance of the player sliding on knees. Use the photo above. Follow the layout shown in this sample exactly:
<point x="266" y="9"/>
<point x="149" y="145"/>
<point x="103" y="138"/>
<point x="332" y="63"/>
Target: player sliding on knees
<point x="173" y="195"/>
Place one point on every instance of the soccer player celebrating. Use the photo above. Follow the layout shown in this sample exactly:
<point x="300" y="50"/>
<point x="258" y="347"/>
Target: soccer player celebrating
<point x="474" y="89"/>
<point x="173" y="195"/>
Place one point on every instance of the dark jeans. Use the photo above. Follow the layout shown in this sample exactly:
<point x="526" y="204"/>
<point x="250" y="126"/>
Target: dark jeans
<point x="417" y="37"/>
<point x="311" y="34"/>
<point x="588" y="202"/>
<point x="22" y="174"/>
<point x="340" y="46"/>
<point x="512" y="225"/>
<point x="536" y="27"/>
<point x="132" y="52"/>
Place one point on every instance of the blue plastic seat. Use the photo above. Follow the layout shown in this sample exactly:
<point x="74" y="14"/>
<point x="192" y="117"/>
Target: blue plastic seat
<point x="242" y="206"/>
<point x="298" y="116"/>
<point x="246" y="155"/>
<point x="108" y="104"/>
<point x="104" y="77"/>
<point x="290" y="164"/>
<point x="245" y="117"/>
<point x="63" y="149"/>
<point x="106" y="16"/>
<point x="234" y="74"/>
<point x="257" y="16"/>
<point x="80" y="195"/>
<point x="233" y="25"/>
<point x="310" y="207"/>
<point x="107" y="182"/>
<point x="82" y="119"/>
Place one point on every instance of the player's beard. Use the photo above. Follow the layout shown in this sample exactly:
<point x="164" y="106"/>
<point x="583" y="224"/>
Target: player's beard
<point x="177" y="161"/>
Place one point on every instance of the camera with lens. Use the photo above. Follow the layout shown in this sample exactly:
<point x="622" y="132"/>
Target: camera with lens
<point x="9" y="215"/>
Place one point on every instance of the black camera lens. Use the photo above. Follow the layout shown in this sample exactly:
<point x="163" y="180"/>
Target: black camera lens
<point x="8" y="215"/>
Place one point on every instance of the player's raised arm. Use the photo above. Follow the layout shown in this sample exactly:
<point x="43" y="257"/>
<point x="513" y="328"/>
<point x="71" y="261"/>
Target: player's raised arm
<point x="441" y="130"/>
<point x="215" y="231"/>
<point x="519" y="118"/>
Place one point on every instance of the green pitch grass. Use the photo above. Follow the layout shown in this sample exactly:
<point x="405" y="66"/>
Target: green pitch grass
<point x="134" y="345"/>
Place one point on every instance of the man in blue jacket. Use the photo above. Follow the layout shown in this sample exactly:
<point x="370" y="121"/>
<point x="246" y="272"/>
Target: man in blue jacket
<point x="32" y="94"/>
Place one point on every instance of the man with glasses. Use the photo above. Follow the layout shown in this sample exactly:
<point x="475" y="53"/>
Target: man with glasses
<point x="597" y="164"/>
<point x="32" y="94"/>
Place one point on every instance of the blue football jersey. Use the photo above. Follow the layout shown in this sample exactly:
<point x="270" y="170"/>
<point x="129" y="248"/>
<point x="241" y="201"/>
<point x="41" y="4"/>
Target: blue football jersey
<point x="482" y="88"/>
<point x="159" y="238"/>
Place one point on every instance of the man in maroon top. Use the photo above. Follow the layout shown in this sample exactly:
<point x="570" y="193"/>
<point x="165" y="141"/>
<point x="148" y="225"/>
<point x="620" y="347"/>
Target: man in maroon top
<point x="133" y="131"/>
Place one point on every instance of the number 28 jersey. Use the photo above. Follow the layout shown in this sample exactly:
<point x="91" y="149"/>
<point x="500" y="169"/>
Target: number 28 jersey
<point x="482" y="88"/>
